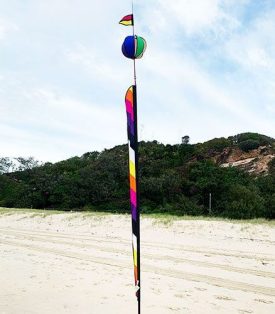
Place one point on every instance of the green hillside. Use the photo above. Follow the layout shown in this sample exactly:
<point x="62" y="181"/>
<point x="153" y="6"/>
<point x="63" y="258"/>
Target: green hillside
<point x="175" y="179"/>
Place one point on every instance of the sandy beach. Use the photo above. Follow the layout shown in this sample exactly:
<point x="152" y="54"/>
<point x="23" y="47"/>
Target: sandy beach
<point x="82" y="263"/>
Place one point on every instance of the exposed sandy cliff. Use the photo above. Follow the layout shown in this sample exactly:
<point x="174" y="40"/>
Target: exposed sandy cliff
<point x="255" y="161"/>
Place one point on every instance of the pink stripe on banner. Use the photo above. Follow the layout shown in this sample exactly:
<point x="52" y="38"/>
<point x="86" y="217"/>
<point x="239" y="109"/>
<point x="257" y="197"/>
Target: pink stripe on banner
<point x="133" y="196"/>
<point x="129" y="109"/>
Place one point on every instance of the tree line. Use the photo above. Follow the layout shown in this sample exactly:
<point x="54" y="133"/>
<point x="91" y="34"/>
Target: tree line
<point x="174" y="179"/>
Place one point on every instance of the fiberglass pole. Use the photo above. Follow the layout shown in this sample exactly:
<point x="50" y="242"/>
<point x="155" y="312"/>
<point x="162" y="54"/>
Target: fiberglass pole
<point x="137" y="171"/>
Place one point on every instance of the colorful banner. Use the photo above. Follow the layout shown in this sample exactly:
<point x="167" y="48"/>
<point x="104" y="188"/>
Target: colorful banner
<point x="131" y="110"/>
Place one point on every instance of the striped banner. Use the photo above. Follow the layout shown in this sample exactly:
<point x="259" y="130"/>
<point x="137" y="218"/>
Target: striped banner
<point x="131" y="110"/>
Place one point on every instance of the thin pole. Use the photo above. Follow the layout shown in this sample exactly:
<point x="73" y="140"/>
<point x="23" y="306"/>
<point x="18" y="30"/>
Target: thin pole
<point x="135" y="75"/>
<point x="210" y="203"/>
<point x="137" y="171"/>
<point x="138" y="199"/>
<point x="133" y="16"/>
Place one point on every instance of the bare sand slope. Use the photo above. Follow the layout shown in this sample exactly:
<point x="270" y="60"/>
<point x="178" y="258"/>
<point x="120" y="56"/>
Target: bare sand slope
<point x="77" y="263"/>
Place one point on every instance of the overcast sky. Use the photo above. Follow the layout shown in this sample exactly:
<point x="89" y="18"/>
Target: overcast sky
<point x="209" y="71"/>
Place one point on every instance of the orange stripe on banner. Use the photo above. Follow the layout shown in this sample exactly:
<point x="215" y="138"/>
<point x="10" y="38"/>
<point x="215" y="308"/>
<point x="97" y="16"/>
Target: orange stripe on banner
<point x="133" y="184"/>
<point x="136" y="274"/>
<point x="130" y="96"/>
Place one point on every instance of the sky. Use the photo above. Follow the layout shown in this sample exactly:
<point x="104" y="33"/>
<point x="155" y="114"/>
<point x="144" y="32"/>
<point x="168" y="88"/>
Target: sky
<point x="208" y="71"/>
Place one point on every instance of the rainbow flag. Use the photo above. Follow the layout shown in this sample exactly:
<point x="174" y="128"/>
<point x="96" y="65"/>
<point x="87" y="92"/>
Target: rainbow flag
<point x="127" y="20"/>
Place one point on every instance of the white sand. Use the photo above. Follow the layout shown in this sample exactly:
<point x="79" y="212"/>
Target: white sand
<point x="77" y="263"/>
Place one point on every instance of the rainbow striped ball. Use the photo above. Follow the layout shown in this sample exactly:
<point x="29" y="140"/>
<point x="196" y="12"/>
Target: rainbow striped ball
<point x="133" y="47"/>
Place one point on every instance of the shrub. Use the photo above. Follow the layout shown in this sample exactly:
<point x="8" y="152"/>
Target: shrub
<point x="248" y="145"/>
<point x="243" y="203"/>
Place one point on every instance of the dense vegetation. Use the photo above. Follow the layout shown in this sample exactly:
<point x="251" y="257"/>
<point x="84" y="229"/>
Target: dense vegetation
<point x="175" y="179"/>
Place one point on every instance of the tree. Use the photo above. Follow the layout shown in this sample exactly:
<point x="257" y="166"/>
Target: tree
<point x="248" y="145"/>
<point x="27" y="163"/>
<point x="185" y="139"/>
<point x="6" y="165"/>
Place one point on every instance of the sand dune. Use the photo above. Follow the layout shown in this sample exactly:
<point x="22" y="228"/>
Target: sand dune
<point x="79" y="263"/>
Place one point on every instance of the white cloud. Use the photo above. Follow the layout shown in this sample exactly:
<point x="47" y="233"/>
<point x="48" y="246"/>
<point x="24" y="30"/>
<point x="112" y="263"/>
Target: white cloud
<point x="196" y="17"/>
<point x="254" y="48"/>
<point x="258" y="57"/>
<point x="188" y="100"/>
<point x="6" y="27"/>
<point x="97" y="66"/>
<point x="49" y="119"/>
<point x="65" y="77"/>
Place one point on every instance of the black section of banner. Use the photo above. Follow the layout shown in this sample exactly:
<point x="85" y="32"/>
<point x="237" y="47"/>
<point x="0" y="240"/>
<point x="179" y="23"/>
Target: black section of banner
<point x="137" y="227"/>
<point x="133" y="142"/>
